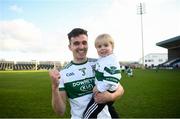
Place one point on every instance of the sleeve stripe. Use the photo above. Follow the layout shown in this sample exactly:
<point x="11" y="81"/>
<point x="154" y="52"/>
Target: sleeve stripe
<point x="111" y="79"/>
<point x="61" y="89"/>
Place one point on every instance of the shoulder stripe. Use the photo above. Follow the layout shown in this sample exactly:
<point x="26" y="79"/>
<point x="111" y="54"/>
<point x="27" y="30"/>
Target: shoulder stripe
<point x="67" y="65"/>
<point x="92" y="60"/>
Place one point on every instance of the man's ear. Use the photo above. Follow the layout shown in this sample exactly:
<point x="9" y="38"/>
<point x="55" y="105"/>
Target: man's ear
<point x="69" y="46"/>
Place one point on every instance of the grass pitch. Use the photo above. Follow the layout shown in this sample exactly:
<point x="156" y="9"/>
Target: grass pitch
<point x="27" y="94"/>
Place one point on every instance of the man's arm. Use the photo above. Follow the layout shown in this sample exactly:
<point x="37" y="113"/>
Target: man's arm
<point x="59" y="101"/>
<point x="107" y="96"/>
<point x="58" y="97"/>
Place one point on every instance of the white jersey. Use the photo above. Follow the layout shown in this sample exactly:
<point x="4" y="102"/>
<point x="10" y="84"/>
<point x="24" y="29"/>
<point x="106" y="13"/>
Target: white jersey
<point x="78" y="81"/>
<point x="107" y="73"/>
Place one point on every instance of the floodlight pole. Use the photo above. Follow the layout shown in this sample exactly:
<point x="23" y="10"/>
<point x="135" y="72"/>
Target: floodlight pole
<point x="141" y="12"/>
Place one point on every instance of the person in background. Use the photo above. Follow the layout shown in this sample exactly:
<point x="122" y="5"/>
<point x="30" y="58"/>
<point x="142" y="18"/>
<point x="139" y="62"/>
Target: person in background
<point x="129" y="72"/>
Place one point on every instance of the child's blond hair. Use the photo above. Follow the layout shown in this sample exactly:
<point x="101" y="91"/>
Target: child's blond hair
<point x="104" y="38"/>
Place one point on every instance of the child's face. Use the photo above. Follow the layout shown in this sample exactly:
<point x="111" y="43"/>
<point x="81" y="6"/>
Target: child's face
<point x="104" y="48"/>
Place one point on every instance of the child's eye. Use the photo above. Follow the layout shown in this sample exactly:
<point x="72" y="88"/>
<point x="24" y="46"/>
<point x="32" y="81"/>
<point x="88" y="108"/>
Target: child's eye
<point x="106" y="45"/>
<point x="99" y="46"/>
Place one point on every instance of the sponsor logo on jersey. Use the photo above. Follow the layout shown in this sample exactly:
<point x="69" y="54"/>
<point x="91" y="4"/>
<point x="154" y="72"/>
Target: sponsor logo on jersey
<point x="112" y="70"/>
<point x="83" y="82"/>
<point x="70" y="74"/>
<point x="84" y="85"/>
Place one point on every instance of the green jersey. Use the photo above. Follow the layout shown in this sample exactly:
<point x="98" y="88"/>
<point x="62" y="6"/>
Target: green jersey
<point x="78" y="81"/>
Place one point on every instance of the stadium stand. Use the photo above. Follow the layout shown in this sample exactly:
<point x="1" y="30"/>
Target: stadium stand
<point x="6" y="65"/>
<point x="171" y="62"/>
<point x="42" y="65"/>
<point x="173" y="46"/>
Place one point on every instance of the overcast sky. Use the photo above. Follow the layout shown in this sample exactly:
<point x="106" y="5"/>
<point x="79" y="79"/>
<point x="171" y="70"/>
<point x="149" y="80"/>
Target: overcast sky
<point x="37" y="29"/>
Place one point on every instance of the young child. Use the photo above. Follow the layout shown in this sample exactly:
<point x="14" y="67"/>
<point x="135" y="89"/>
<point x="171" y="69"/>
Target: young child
<point x="107" y="74"/>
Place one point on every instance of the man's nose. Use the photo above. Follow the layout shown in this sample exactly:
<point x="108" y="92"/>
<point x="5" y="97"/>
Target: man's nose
<point x="81" y="45"/>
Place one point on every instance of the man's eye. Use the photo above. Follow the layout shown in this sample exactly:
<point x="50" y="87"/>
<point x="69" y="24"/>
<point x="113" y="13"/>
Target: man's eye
<point x="84" y="43"/>
<point x="76" y="43"/>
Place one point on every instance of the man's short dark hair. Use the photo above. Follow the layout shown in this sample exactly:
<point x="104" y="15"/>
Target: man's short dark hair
<point x="76" y="32"/>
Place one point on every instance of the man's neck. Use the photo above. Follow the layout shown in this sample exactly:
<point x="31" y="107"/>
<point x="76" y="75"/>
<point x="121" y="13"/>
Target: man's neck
<point x="79" y="61"/>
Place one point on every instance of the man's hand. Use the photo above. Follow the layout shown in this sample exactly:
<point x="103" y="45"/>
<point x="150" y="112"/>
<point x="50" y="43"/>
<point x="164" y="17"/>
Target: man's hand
<point x="55" y="76"/>
<point x="95" y="90"/>
<point x="107" y="96"/>
<point x="103" y="97"/>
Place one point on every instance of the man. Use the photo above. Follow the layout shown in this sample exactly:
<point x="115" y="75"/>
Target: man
<point x="77" y="80"/>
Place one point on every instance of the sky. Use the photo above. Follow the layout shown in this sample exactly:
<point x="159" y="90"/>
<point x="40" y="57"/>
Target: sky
<point x="37" y="29"/>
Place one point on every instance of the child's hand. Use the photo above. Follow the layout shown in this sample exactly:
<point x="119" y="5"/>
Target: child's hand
<point x="95" y="90"/>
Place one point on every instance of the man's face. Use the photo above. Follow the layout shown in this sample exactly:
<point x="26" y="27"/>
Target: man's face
<point x="79" y="46"/>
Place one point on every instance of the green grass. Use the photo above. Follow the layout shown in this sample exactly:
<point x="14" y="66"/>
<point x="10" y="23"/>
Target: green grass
<point x="147" y="94"/>
<point x="25" y="94"/>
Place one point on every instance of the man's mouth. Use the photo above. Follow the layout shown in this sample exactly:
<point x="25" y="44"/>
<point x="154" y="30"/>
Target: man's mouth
<point x="81" y="51"/>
